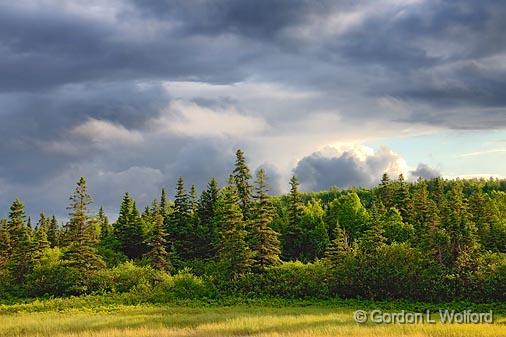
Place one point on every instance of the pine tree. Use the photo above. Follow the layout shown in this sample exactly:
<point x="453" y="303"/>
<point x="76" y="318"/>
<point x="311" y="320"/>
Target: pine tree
<point x="234" y="254"/>
<point x="338" y="247"/>
<point x="52" y="232"/>
<point x="180" y="226"/>
<point x="157" y="242"/>
<point x="265" y="242"/>
<point x="79" y="242"/>
<point x="386" y="191"/>
<point x="242" y="177"/>
<point x="129" y="229"/>
<point x="194" y="200"/>
<point x="482" y="214"/>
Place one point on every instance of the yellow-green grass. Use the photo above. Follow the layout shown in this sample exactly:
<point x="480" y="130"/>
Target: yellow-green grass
<point x="236" y="320"/>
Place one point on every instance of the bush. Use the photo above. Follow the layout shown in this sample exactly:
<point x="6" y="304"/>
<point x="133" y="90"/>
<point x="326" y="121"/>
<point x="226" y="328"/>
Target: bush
<point x="288" y="280"/>
<point x="184" y="285"/>
<point x="127" y="276"/>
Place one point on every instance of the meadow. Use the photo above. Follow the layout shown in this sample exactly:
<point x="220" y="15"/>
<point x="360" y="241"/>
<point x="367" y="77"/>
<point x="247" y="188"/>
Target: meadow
<point x="91" y="317"/>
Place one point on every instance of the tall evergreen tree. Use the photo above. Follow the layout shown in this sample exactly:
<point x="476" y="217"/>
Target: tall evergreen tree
<point x="103" y="222"/>
<point x="157" y="244"/>
<point x="21" y="258"/>
<point x="339" y="247"/>
<point x="456" y="220"/>
<point x="52" y="232"/>
<point x="129" y="229"/>
<point x="403" y="201"/>
<point x="242" y="177"/>
<point x="5" y="243"/>
<point x="180" y="226"/>
<point x="293" y="232"/>
<point x="41" y="241"/>
<point x="80" y="242"/>
<point x="265" y="242"/>
<point x="373" y="237"/>
<point x="234" y="253"/>
<point x="207" y="230"/>
<point x="164" y="206"/>
<point x="386" y="193"/>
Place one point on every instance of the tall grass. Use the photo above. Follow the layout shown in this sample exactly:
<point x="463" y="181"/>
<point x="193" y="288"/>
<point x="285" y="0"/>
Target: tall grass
<point x="235" y="320"/>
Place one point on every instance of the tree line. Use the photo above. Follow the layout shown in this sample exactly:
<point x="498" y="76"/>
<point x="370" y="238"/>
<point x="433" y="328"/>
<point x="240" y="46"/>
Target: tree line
<point x="234" y="232"/>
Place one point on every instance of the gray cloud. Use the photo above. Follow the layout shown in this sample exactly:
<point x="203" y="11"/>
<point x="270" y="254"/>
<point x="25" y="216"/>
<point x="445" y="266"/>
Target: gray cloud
<point x="424" y="171"/>
<point x="309" y="72"/>
<point x="351" y="168"/>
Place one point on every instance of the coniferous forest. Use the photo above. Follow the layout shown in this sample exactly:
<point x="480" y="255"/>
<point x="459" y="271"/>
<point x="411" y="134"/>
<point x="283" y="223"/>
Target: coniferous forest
<point x="432" y="240"/>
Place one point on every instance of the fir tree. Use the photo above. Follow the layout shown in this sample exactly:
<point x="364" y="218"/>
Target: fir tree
<point x="80" y="241"/>
<point x="157" y="242"/>
<point x="242" y="177"/>
<point x="234" y="254"/>
<point x="265" y="242"/>
<point x="164" y="206"/>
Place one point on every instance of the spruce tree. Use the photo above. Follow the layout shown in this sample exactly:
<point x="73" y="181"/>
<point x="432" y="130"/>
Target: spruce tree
<point x="293" y="232"/>
<point x="80" y="242"/>
<point x="242" y="177"/>
<point x="233" y="252"/>
<point x="52" y="232"/>
<point x="129" y="229"/>
<point x="164" y="206"/>
<point x="339" y="247"/>
<point x="157" y="243"/>
<point x="373" y="237"/>
<point x="265" y="242"/>
<point x="180" y="226"/>
<point x="403" y="201"/>
<point x="207" y="231"/>
<point x="456" y="220"/>
<point x="103" y="222"/>
<point x="41" y="241"/>
<point x="21" y="258"/>
<point x="386" y="192"/>
<point x="5" y="243"/>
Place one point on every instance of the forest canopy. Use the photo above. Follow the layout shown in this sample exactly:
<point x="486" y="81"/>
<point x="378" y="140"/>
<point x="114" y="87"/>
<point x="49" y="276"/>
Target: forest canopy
<point x="430" y="240"/>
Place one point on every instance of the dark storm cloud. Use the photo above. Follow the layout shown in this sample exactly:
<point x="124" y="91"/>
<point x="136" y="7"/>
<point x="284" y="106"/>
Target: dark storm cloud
<point x="104" y="63"/>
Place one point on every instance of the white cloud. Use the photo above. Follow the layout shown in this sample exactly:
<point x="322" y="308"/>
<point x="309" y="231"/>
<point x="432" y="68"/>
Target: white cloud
<point x="191" y="119"/>
<point x="102" y="131"/>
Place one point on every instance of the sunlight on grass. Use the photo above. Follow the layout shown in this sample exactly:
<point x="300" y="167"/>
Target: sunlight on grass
<point x="221" y="321"/>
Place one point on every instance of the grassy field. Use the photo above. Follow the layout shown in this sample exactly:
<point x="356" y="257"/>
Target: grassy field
<point x="235" y="320"/>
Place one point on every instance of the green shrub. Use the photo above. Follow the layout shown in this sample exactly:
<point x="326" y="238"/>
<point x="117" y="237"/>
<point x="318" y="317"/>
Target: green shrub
<point x="288" y="280"/>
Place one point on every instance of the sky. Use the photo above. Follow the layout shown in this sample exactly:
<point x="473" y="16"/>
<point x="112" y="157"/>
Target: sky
<point x="134" y="93"/>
